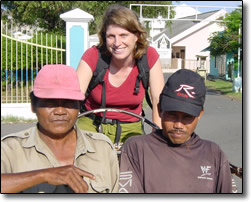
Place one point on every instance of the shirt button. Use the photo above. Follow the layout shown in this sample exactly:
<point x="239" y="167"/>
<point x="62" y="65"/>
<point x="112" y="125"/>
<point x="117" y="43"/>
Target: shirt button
<point x="26" y="134"/>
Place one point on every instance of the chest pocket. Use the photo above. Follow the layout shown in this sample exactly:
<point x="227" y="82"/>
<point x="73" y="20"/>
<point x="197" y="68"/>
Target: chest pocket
<point x="100" y="187"/>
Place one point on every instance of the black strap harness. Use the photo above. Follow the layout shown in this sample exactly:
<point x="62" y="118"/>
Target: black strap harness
<point x="98" y="78"/>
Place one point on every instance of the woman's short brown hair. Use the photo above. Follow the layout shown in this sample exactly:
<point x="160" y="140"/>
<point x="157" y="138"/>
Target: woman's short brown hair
<point x="126" y="18"/>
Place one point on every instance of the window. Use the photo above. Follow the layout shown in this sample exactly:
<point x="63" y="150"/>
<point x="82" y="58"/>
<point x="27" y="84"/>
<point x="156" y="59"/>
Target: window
<point x="163" y="43"/>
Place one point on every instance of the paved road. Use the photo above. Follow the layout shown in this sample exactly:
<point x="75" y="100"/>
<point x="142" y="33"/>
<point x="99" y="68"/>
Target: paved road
<point x="221" y="123"/>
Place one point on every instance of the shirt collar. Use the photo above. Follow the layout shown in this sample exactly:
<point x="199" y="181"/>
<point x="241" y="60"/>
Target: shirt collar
<point x="158" y="134"/>
<point x="34" y="140"/>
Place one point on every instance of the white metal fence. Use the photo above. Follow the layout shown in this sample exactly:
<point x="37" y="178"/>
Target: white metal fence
<point x="23" y="54"/>
<point x="178" y="63"/>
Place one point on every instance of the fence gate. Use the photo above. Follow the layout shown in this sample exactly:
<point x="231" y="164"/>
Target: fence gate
<point x="23" y="52"/>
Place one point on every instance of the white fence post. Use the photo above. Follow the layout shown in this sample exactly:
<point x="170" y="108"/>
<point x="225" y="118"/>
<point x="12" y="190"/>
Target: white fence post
<point x="179" y="63"/>
<point x="77" y="35"/>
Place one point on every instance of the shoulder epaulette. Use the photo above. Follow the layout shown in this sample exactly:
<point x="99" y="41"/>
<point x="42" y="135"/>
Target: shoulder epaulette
<point x="22" y="134"/>
<point x="99" y="136"/>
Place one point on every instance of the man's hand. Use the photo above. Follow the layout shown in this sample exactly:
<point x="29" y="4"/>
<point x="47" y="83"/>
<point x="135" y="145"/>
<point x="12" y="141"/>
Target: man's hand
<point x="68" y="175"/>
<point x="65" y="175"/>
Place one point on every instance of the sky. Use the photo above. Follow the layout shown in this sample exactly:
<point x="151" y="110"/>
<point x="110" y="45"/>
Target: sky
<point x="210" y="3"/>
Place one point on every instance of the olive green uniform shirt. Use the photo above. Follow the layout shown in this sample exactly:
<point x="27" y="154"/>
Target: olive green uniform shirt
<point x="26" y="151"/>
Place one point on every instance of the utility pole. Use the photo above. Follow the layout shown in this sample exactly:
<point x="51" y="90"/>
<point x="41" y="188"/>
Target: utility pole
<point x="239" y="52"/>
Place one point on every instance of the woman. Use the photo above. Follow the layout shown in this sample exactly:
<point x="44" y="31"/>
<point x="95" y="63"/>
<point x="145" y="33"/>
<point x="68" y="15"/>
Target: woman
<point x="123" y="39"/>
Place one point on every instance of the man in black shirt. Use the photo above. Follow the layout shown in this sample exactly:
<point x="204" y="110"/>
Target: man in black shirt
<point x="175" y="159"/>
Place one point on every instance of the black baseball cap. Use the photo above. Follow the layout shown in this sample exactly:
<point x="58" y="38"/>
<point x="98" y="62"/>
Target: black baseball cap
<point x="184" y="91"/>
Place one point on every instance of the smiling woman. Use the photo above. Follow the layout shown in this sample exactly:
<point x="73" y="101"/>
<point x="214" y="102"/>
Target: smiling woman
<point x="122" y="43"/>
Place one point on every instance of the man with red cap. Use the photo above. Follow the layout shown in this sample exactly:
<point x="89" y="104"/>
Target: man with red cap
<point x="175" y="159"/>
<point x="56" y="156"/>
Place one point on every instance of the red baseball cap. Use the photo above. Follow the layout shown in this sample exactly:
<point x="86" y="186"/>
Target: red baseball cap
<point x="57" y="82"/>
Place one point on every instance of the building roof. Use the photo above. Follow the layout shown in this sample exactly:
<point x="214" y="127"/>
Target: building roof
<point x="179" y="26"/>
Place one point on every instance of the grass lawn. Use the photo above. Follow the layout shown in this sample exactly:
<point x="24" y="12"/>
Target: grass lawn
<point x="225" y="87"/>
<point x="13" y="119"/>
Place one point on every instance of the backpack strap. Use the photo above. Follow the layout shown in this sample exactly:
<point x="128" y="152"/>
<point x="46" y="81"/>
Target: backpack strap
<point x="99" y="73"/>
<point x="143" y="70"/>
<point x="98" y="77"/>
<point x="143" y="76"/>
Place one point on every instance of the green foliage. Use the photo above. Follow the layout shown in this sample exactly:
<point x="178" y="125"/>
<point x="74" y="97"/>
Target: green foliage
<point x="220" y="43"/>
<point x="46" y="14"/>
<point x="43" y="14"/>
<point x="227" y="41"/>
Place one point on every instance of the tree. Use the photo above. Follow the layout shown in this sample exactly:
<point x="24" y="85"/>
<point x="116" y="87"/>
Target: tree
<point x="227" y="40"/>
<point x="43" y="14"/>
<point x="46" y="14"/>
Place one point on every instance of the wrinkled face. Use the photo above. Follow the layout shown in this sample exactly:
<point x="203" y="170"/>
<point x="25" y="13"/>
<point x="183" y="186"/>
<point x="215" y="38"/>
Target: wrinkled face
<point x="56" y="117"/>
<point x="120" y="42"/>
<point x="178" y="126"/>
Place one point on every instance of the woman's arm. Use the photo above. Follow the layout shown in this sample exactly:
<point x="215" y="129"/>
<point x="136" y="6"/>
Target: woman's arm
<point x="156" y="82"/>
<point x="84" y="73"/>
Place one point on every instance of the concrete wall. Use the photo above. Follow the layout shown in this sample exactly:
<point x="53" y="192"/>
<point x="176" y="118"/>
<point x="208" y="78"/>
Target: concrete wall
<point x="20" y="110"/>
